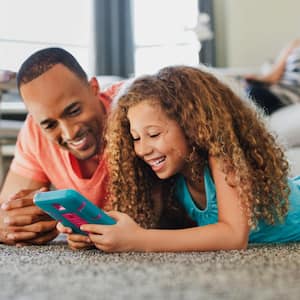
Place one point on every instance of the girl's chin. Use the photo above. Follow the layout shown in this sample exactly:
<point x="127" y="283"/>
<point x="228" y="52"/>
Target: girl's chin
<point x="163" y="175"/>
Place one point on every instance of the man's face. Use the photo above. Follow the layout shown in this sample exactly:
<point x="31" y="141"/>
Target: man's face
<point x="67" y="110"/>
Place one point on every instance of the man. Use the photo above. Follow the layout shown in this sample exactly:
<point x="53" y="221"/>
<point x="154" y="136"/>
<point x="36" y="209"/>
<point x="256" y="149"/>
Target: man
<point x="281" y="85"/>
<point x="60" y="144"/>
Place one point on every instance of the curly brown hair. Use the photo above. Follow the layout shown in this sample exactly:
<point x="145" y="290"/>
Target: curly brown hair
<point x="216" y="122"/>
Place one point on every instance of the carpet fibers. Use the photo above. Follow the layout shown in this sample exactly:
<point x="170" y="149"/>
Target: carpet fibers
<point x="56" y="272"/>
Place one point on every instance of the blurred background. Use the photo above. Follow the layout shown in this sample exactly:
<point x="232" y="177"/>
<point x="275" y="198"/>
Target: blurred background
<point x="115" y="39"/>
<point x="126" y="37"/>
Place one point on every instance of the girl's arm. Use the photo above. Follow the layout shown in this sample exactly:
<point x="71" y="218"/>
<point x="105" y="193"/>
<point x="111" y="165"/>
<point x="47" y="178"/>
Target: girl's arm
<point x="230" y="232"/>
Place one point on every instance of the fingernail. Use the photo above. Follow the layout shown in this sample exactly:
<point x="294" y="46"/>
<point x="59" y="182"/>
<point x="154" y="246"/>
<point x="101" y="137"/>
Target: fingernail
<point x="67" y="230"/>
<point x="12" y="197"/>
<point x="11" y="236"/>
<point x="88" y="240"/>
<point x="4" y="205"/>
<point x="6" y="220"/>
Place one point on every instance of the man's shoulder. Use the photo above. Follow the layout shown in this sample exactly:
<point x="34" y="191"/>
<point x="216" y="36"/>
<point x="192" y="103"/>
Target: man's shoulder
<point x="32" y="145"/>
<point x="110" y="93"/>
<point x="31" y="133"/>
<point x="113" y="89"/>
<point x="30" y="127"/>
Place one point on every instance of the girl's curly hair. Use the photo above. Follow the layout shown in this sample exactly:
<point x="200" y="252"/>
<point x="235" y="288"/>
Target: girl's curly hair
<point x="216" y="122"/>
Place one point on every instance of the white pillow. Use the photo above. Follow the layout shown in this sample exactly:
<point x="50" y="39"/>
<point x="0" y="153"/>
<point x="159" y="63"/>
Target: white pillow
<point x="285" y="123"/>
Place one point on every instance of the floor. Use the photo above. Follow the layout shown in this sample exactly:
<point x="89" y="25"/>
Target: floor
<point x="55" y="272"/>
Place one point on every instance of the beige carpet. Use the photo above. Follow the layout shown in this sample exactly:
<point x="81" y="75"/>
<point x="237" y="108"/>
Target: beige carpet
<point x="55" y="272"/>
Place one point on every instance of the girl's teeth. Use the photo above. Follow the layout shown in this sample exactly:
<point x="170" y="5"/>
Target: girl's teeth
<point x="158" y="161"/>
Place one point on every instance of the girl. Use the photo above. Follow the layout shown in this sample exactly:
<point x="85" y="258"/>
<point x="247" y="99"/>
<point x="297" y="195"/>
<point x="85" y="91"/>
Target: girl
<point x="182" y="141"/>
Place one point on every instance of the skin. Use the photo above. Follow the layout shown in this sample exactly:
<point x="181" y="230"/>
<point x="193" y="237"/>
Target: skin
<point x="69" y="114"/>
<point x="155" y="137"/>
<point x="278" y="68"/>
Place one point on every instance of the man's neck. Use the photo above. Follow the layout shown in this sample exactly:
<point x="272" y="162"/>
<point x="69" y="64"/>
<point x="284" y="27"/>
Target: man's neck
<point x="89" y="166"/>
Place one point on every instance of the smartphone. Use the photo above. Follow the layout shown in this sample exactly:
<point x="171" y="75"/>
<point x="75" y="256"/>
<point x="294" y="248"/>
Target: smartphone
<point x="71" y="209"/>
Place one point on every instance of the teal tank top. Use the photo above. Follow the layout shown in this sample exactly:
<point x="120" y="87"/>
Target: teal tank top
<point x="288" y="231"/>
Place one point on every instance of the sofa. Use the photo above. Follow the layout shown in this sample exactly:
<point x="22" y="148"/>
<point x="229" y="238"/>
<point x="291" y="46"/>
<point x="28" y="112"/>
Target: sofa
<point x="285" y="124"/>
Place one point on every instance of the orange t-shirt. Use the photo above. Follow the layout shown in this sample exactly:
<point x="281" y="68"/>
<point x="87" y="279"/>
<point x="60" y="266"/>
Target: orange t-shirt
<point x="38" y="158"/>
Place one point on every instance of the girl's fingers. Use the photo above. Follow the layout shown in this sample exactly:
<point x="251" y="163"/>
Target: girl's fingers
<point x="62" y="229"/>
<point x="94" y="228"/>
<point x="78" y="238"/>
<point x="115" y="214"/>
<point x="77" y="242"/>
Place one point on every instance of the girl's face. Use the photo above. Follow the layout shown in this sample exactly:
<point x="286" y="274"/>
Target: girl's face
<point x="157" y="139"/>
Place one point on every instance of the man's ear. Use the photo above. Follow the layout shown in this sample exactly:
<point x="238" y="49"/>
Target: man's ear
<point x="94" y="84"/>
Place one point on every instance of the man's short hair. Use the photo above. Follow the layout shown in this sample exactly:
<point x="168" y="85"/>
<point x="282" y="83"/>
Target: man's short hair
<point x="43" y="60"/>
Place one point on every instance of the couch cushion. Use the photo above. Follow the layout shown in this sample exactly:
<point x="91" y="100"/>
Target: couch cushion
<point x="286" y="124"/>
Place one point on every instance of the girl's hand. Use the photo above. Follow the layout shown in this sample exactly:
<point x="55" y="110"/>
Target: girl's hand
<point x="75" y="241"/>
<point x="123" y="236"/>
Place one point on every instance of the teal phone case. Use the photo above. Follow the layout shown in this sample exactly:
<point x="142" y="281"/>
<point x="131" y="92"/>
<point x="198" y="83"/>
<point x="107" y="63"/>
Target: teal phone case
<point x="71" y="209"/>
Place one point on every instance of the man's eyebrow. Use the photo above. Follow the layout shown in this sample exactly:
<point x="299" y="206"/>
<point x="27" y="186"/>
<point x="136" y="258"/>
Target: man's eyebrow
<point x="65" y="112"/>
<point x="45" y="122"/>
<point x="69" y="107"/>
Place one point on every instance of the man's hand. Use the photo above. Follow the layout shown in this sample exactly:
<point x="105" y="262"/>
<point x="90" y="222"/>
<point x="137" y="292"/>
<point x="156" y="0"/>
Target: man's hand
<point x="23" y="223"/>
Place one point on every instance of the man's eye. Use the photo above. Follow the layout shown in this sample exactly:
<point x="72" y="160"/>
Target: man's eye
<point x="49" y="126"/>
<point x="74" y="112"/>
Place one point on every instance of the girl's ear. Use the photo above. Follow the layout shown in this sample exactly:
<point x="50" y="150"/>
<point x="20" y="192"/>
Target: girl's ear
<point x="94" y="84"/>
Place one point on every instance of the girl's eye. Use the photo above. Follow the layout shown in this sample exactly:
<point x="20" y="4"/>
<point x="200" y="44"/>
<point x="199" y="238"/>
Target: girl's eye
<point x="135" y="139"/>
<point x="154" y="135"/>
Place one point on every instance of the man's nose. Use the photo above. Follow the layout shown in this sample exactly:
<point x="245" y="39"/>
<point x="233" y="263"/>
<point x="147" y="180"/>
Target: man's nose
<point x="68" y="130"/>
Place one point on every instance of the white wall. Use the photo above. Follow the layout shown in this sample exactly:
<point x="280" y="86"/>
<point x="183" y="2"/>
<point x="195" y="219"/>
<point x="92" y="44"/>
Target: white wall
<point x="249" y="32"/>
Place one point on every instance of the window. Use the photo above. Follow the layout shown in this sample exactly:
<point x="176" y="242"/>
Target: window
<point x="27" y="26"/>
<point x="162" y="33"/>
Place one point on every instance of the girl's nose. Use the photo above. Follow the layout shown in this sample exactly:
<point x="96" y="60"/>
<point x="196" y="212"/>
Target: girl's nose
<point x="144" y="148"/>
